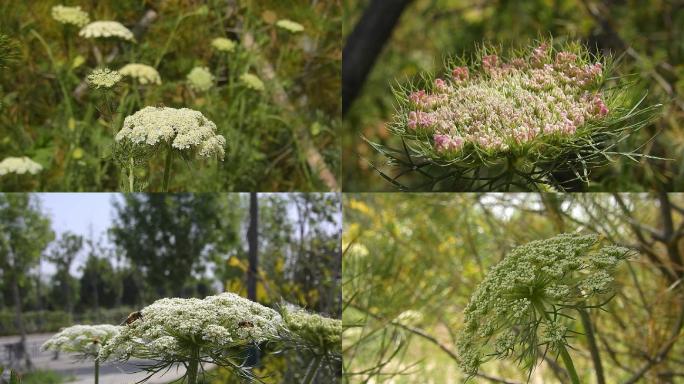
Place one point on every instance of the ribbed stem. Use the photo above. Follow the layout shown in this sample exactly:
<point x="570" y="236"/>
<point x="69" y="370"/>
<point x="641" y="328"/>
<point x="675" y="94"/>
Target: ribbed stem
<point x="193" y="367"/>
<point x="312" y="371"/>
<point x="167" y="169"/>
<point x="131" y="177"/>
<point x="97" y="371"/>
<point x="567" y="360"/>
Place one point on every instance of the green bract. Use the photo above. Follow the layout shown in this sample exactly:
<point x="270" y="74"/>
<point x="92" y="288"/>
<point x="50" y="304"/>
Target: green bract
<point x="525" y="302"/>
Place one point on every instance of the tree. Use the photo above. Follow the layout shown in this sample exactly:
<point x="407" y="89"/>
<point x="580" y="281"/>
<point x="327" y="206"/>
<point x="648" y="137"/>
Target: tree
<point x="167" y="236"/>
<point x="253" y="241"/>
<point x="24" y="233"/>
<point x="62" y="255"/>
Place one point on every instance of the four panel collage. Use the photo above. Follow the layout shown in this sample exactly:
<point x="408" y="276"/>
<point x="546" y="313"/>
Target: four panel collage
<point x="341" y="191"/>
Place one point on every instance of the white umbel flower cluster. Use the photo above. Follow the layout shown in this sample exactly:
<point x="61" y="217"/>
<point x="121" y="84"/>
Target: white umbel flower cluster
<point x="290" y="26"/>
<point x="85" y="340"/>
<point x="98" y="29"/>
<point x="70" y="15"/>
<point x="103" y="78"/>
<point x="184" y="129"/>
<point x="319" y="332"/>
<point x="143" y="73"/>
<point x="170" y="329"/>
<point x="222" y="44"/>
<point x="526" y="297"/>
<point x="252" y="81"/>
<point x="19" y="165"/>
<point x="200" y="79"/>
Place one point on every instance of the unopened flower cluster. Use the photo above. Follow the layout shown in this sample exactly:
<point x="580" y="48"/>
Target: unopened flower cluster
<point x="252" y="81"/>
<point x="222" y="44"/>
<point x="561" y="272"/>
<point x="290" y="26"/>
<point x="103" y="78"/>
<point x="200" y="79"/>
<point x="184" y="129"/>
<point x="319" y="332"/>
<point x="169" y="329"/>
<point x="98" y="29"/>
<point x="142" y="73"/>
<point x="85" y="340"/>
<point x="70" y="15"/>
<point x="19" y="165"/>
<point x="497" y="105"/>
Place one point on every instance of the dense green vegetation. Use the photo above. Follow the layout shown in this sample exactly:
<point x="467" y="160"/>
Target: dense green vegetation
<point x="278" y="137"/>
<point x="642" y="35"/>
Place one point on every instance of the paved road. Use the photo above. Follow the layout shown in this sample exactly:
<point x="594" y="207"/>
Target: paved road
<point x="82" y="371"/>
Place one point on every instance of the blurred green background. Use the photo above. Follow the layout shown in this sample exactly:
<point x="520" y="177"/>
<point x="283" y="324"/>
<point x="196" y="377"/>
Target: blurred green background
<point x="647" y="34"/>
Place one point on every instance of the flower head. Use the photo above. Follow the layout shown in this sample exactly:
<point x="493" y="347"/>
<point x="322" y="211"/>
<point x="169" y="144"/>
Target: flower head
<point x="200" y="79"/>
<point x="525" y="300"/>
<point x="98" y="29"/>
<point x="171" y="329"/>
<point x="19" y="165"/>
<point x="103" y="78"/>
<point x="290" y="26"/>
<point x="252" y="81"/>
<point x="222" y="44"/>
<point x="143" y="73"/>
<point x="321" y="333"/>
<point x="184" y="129"/>
<point x="507" y="104"/>
<point x="70" y="15"/>
<point x="84" y="340"/>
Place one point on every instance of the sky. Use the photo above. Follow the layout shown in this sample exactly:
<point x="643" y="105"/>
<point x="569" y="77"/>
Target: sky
<point x="78" y="213"/>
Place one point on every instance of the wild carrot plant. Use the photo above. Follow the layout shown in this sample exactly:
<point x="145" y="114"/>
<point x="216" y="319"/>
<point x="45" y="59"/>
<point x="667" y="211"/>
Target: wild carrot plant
<point x="539" y="118"/>
<point x="524" y="308"/>
<point x="85" y="341"/>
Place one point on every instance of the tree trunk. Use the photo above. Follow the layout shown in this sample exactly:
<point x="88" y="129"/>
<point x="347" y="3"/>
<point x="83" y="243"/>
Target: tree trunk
<point x="252" y="239"/>
<point x="22" y="351"/>
<point x="365" y="43"/>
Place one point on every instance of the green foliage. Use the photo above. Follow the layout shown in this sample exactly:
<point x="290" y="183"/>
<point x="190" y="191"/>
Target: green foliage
<point x="171" y="236"/>
<point x="50" y="117"/>
<point x="42" y="377"/>
<point x="54" y="320"/>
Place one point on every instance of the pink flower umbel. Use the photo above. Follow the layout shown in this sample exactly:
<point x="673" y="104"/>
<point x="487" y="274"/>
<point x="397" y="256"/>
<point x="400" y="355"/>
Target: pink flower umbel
<point x="540" y="118"/>
<point x="509" y="103"/>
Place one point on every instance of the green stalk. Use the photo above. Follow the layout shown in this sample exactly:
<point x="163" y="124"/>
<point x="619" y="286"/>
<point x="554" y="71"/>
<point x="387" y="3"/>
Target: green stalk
<point x="193" y="367"/>
<point x="567" y="360"/>
<point x="131" y="176"/>
<point x="167" y="168"/>
<point x="312" y="371"/>
<point x="97" y="371"/>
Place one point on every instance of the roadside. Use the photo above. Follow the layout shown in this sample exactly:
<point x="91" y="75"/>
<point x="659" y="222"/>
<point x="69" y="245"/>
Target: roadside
<point x="82" y="371"/>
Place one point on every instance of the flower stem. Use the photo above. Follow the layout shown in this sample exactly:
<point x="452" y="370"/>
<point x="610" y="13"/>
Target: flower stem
<point x="312" y="371"/>
<point x="193" y="366"/>
<point x="567" y="360"/>
<point x="97" y="371"/>
<point x="131" y="176"/>
<point x="167" y="169"/>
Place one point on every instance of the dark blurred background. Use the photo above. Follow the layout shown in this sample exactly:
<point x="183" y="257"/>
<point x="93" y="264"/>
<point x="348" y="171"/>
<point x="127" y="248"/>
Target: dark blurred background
<point x="395" y="40"/>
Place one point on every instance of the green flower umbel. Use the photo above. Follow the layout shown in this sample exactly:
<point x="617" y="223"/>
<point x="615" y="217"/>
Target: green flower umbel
<point x="524" y="304"/>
